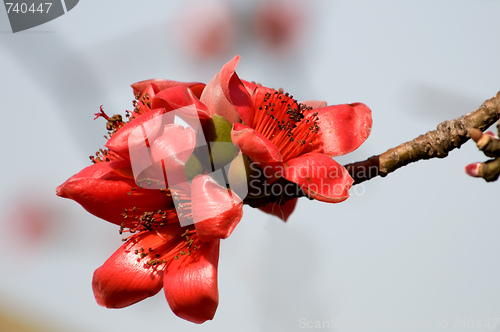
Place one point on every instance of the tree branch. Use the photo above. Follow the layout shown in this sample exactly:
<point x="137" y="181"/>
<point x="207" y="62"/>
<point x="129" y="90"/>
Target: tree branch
<point x="434" y="144"/>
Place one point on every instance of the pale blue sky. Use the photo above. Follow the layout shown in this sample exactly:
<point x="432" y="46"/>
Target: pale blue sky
<point x="418" y="246"/>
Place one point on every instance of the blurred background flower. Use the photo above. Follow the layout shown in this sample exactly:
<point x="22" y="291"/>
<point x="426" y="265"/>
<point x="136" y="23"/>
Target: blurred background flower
<point x="205" y="29"/>
<point x="281" y="25"/>
<point x="30" y="220"/>
<point x="211" y="29"/>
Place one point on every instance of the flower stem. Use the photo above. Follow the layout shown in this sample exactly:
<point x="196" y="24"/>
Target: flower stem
<point x="448" y="136"/>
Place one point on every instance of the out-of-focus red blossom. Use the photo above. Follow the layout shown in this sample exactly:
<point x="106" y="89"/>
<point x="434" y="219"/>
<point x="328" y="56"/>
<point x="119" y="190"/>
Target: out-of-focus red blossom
<point x="280" y="24"/>
<point x="211" y="28"/>
<point x="33" y="219"/>
<point x="206" y="28"/>
<point x="293" y="142"/>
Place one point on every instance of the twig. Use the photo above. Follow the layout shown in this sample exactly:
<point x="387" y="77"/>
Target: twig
<point x="434" y="144"/>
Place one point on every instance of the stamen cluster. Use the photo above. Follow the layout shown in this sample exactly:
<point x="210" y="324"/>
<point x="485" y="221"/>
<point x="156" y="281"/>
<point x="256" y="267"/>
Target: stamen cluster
<point x="286" y="123"/>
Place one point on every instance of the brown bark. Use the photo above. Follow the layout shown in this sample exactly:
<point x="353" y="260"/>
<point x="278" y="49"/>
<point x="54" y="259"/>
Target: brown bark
<point x="448" y="136"/>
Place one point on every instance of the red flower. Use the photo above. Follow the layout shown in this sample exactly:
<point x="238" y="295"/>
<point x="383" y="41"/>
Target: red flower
<point x="182" y="260"/>
<point x="178" y="194"/>
<point x="291" y="140"/>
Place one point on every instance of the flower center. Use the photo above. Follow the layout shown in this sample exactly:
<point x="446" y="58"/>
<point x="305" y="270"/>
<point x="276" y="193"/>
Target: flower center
<point x="136" y="219"/>
<point x="182" y="244"/>
<point x="141" y="103"/>
<point x="286" y="123"/>
<point x="179" y="241"/>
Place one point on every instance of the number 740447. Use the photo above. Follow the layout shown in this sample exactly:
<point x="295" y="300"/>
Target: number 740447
<point x="24" y="7"/>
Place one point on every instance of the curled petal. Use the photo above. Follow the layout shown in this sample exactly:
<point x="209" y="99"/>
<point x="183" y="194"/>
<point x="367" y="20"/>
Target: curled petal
<point x="236" y="92"/>
<point x="124" y="279"/>
<point x="343" y="128"/>
<point x="190" y="283"/>
<point x="250" y="86"/>
<point x="159" y="150"/>
<point x="281" y="211"/>
<point x="255" y="145"/>
<point x="151" y="90"/>
<point x="320" y="177"/>
<point x="178" y="97"/>
<point x="216" y="101"/>
<point x="119" y="142"/>
<point x="216" y="210"/>
<point x="174" y="147"/>
<point x="159" y="85"/>
<point x="104" y="192"/>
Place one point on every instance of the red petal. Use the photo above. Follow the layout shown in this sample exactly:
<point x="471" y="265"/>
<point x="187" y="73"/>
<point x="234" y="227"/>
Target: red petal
<point x="158" y="152"/>
<point x="343" y="128"/>
<point x="173" y="148"/>
<point x="151" y="90"/>
<point x="216" y="210"/>
<point x="320" y="177"/>
<point x="124" y="279"/>
<point x="190" y="283"/>
<point x="195" y="87"/>
<point x="251" y="87"/>
<point x="216" y="101"/>
<point x="175" y="142"/>
<point x="178" y="97"/>
<point x="236" y="92"/>
<point x="103" y="192"/>
<point x="119" y="142"/>
<point x="281" y="211"/>
<point x="254" y="145"/>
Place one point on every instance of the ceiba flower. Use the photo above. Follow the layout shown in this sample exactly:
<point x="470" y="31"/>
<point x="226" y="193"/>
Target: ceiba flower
<point x="159" y="253"/>
<point x="290" y="140"/>
<point x="176" y="226"/>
